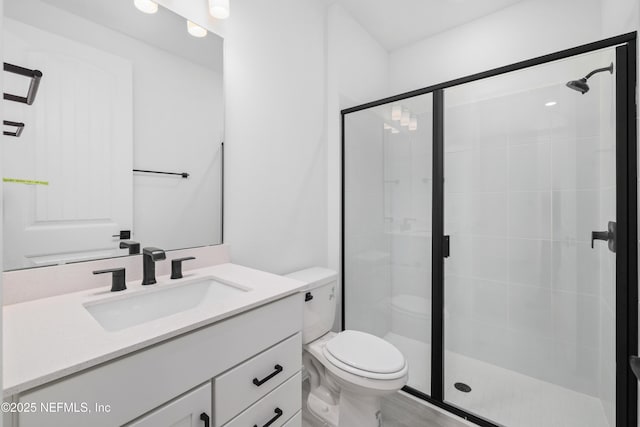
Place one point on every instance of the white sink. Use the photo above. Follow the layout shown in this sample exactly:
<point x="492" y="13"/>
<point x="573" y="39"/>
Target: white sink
<point x="158" y="301"/>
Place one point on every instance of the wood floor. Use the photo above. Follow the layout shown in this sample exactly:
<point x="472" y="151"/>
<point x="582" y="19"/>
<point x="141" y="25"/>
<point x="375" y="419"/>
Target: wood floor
<point x="398" y="410"/>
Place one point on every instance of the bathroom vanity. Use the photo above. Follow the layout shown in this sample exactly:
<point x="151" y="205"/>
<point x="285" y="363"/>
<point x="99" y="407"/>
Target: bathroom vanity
<point x="220" y="347"/>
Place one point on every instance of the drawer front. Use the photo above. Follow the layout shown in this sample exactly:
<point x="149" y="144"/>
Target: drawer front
<point x="187" y="411"/>
<point x="295" y="421"/>
<point x="275" y="409"/>
<point x="250" y="381"/>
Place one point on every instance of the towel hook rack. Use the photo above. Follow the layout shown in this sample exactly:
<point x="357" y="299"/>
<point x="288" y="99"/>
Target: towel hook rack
<point x="35" y="76"/>
<point x="18" y="125"/>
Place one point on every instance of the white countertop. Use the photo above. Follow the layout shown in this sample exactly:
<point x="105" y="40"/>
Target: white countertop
<point x="50" y="338"/>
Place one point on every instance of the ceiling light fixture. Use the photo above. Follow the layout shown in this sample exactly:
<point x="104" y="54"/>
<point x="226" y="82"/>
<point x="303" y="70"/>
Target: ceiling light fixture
<point x="219" y="8"/>
<point x="396" y="112"/>
<point x="196" y="30"/>
<point x="550" y="104"/>
<point x="146" y="6"/>
<point x="406" y="117"/>
<point x="413" y="122"/>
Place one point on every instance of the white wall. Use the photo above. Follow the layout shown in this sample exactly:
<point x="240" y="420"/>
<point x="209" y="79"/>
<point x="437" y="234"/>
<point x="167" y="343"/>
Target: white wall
<point x="522" y="31"/>
<point x="275" y="181"/>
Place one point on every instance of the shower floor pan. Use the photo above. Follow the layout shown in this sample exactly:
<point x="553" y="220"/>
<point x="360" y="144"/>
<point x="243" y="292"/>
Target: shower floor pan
<point x="504" y="396"/>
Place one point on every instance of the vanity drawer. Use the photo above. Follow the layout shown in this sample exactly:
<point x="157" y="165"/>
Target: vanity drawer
<point x="248" y="382"/>
<point x="277" y="407"/>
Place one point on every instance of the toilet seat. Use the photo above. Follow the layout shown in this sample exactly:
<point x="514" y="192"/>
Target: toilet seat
<point x="365" y="355"/>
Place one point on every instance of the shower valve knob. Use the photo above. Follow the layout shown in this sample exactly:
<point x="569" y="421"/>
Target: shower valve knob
<point x="608" y="236"/>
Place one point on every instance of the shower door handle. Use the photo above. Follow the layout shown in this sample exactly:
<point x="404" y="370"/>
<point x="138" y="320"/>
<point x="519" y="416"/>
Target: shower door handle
<point x="446" y="246"/>
<point x="609" y="236"/>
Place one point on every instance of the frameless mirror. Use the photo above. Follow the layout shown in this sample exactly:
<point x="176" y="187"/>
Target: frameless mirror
<point x="123" y="132"/>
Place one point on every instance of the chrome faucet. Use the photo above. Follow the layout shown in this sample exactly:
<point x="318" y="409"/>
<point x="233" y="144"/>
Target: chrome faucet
<point x="149" y="258"/>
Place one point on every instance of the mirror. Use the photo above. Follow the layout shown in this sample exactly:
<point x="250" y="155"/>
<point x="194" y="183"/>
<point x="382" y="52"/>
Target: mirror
<point x="121" y="90"/>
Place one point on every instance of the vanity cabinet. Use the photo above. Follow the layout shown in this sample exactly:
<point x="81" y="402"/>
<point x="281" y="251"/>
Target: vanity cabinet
<point x="209" y="370"/>
<point x="191" y="410"/>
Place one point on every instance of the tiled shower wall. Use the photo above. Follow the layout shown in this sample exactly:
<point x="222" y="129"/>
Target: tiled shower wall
<point x="525" y="184"/>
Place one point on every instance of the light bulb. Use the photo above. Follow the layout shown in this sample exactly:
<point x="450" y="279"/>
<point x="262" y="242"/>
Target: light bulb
<point x="146" y="6"/>
<point x="405" y="118"/>
<point x="413" y="122"/>
<point x="550" y="104"/>
<point x="219" y="8"/>
<point x="396" y="112"/>
<point x="196" y="30"/>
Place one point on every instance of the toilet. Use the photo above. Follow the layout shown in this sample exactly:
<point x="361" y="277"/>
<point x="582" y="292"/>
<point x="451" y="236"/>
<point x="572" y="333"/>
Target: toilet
<point x="349" y="371"/>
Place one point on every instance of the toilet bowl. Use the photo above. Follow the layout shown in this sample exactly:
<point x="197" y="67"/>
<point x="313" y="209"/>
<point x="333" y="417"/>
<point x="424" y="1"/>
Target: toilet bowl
<point x="349" y="371"/>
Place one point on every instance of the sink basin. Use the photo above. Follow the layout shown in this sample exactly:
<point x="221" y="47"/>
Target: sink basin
<point x="117" y="313"/>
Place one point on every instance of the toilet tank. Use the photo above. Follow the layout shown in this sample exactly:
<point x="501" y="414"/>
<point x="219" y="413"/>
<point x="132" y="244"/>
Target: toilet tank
<point x="321" y="295"/>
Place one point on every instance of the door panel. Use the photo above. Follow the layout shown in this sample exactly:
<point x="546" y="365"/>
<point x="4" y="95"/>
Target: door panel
<point x="82" y="120"/>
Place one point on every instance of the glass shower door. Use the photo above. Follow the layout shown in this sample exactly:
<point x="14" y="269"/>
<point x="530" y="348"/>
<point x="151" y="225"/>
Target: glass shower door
<point x="387" y="223"/>
<point x="529" y="316"/>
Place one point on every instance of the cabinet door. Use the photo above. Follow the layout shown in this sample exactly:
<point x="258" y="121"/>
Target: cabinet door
<point x="191" y="410"/>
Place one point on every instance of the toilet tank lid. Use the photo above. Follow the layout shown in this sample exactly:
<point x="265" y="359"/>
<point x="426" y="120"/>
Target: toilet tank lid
<point x="314" y="276"/>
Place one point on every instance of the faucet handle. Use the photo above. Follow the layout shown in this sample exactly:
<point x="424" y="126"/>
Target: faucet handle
<point x="156" y="254"/>
<point x="118" y="282"/>
<point x="134" y="247"/>
<point x="176" y="266"/>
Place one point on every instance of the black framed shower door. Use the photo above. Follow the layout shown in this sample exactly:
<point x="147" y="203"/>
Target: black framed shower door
<point x="626" y="254"/>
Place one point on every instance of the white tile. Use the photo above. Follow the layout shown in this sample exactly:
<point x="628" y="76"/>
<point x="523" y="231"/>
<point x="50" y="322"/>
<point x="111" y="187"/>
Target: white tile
<point x="576" y="215"/>
<point x="459" y="296"/>
<point x="490" y="168"/>
<point x="576" y="164"/>
<point x="458" y="167"/>
<point x="530" y="167"/>
<point x="489" y="214"/>
<point x="490" y="302"/>
<point x="489" y="258"/>
<point x="461" y="256"/>
<point x="458" y="213"/>
<point x="411" y="280"/>
<point x="530" y="215"/>
<point x="574" y="267"/>
<point x="530" y="311"/>
<point x="576" y="367"/>
<point x="530" y="262"/>
<point x="530" y="354"/>
<point x="576" y="318"/>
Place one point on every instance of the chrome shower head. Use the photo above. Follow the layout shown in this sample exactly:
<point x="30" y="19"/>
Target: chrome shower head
<point x="581" y="85"/>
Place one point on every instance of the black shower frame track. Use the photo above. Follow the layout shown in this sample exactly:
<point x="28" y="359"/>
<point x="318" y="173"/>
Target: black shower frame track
<point x="626" y="212"/>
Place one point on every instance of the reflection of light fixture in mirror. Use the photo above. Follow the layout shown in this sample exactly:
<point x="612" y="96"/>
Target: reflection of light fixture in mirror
<point x="413" y="122"/>
<point x="550" y="104"/>
<point x="146" y="6"/>
<point x="394" y="130"/>
<point x="396" y="112"/>
<point x="219" y="8"/>
<point x="196" y="30"/>
<point x="406" y="117"/>
<point x="386" y="127"/>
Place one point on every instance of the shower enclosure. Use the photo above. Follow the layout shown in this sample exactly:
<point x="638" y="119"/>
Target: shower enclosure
<point x="490" y="233"/>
